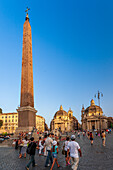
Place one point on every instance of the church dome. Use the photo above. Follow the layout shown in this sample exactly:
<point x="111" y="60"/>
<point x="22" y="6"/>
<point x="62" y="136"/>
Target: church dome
<point x="93" y="108"/>
<point x="61" y="112"/>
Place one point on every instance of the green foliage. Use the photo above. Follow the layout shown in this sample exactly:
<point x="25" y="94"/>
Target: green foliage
<point x="1" y="123"/>
<point x="0" y="110"/>
<point x="4" y="133"/>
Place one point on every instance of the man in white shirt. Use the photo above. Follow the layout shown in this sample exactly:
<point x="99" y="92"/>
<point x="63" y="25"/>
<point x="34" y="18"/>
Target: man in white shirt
<point x="48" y="144"/>
<point x="74" y="148"/>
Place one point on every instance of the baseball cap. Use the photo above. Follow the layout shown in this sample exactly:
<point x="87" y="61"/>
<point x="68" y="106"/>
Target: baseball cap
<point x="73" y="137"/>
<point x="54" y="142"/>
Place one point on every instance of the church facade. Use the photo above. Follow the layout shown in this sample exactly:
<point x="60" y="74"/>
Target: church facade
<point x="92" y="118"/>
<point x="64" y="121"/>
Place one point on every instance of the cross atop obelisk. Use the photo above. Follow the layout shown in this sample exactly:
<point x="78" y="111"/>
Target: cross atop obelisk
<point x="27" y="17"/>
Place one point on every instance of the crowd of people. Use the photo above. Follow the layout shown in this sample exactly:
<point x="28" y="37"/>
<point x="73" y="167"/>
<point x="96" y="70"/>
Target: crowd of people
<point x="48" y="146"/>
<point x="101" y="134"/>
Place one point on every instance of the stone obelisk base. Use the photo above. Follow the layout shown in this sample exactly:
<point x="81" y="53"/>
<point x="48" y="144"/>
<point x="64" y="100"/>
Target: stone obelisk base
<point x="26" y="119"/>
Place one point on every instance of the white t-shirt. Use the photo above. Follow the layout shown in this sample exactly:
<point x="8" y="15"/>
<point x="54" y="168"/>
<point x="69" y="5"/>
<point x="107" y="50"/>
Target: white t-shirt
<point x="25" y="142"/>
<point x="73" y="147"/>
<point x="66" y="144"/>
<point x="40" y="143"/>
<point x="48" y="143"/>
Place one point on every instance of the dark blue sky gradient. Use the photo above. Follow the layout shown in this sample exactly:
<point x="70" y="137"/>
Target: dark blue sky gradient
<point x="72" y="54"/>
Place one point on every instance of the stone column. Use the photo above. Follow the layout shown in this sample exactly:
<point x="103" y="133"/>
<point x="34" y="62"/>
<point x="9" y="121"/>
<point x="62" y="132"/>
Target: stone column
<point x="87" y="126"/>
<point x="64" y="127"/>
<point x="95" y="124"/>
<point x="90" y="126"/>
<point x="98" y="125"/>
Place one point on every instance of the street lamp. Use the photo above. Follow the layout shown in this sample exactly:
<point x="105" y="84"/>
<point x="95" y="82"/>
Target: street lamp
<point x="98" y="95"/>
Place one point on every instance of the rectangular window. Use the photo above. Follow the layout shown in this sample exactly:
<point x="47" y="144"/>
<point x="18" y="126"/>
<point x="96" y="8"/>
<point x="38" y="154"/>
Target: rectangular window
<point x="2" y="117"/>
<point x="16" y="120"/>
<point x="12" y="120"/>
<point x="9" y="120"/>
<point x="9" y="116"/>
<point x="5" y="120"/>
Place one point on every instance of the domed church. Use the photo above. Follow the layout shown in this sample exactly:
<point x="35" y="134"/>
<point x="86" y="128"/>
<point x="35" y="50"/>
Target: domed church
<point x="92" y="117"/>
<point x="64" y="121"/>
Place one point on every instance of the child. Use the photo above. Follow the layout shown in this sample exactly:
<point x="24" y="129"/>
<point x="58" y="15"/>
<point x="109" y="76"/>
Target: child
<point x="54" y="150"/>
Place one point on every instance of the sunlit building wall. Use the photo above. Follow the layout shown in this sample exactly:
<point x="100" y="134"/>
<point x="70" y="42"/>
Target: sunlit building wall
<point x="10" y="122"/>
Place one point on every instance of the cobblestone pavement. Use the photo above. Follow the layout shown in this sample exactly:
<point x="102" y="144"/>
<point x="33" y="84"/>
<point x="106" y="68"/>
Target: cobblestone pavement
<point x="94" y="157"/>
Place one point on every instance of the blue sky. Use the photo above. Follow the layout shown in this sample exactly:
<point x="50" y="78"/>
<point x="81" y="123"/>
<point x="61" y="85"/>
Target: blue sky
<point x="72" y="54"/>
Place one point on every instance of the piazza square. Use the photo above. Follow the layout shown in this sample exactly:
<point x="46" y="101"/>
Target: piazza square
<point x="56" y="107"/>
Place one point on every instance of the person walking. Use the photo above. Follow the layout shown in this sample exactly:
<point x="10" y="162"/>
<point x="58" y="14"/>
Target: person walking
<point x="16" y="144"/>
<point x="65" y="148"/>
<point x="45" y="148"/>
<point x="74" y="148"/>
<point x="54" y="150"/>
<point x="48" y="144"/>
<point x="24" y="148"/>
<point x="88" y="134"/>
<point x="91" y="138"/>
<point x="40" y="146"/>
<point x="103" y="138"/>
<point x="78" y="134"/>
<point x="20" y="144"/>
<point x="32" y="149"/>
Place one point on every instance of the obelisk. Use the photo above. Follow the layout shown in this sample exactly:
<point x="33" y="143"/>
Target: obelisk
<point x="26" y="111"/>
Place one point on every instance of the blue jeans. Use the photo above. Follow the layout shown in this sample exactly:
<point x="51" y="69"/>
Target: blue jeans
<point x="32" y="160"/>
<point x="49" y="157"/>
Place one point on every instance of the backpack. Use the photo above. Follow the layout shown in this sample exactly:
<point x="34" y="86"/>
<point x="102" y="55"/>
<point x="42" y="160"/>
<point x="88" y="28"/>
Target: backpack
<point x="29" y="148"/>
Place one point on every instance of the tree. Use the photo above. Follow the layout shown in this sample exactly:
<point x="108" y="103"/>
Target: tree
<point x="46" y="127"/>
<point x="1" y="123"/>
<point x="0" y="110"/>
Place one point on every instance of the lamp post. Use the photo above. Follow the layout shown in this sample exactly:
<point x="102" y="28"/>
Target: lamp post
<point x="98" y="95"/>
